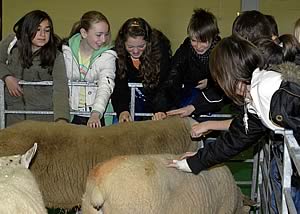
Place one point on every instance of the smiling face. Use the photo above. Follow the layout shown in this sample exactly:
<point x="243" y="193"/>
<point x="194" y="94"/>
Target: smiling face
<point x="135" y="46"/>
<point x="42" y="36"/>
<point x="199" y="46"/>
<point x="96" y="35"/>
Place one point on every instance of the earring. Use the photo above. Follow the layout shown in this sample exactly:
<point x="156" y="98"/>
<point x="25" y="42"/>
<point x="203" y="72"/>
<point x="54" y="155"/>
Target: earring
<point x="245" y="118"/>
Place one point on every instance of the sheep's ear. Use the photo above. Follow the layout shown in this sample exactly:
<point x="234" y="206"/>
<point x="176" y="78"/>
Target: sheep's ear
<point x="27" y="157"/>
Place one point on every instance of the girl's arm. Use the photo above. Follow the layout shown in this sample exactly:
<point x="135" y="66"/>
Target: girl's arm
<point x="4" y="71"/>
<point x="203" y="127"/>
<point x="60" y="90"/>
<point x="229" y="144"/>
<point x="106" y="81"/>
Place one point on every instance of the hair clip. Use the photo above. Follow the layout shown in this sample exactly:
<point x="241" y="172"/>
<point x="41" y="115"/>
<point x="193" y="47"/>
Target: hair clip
<point x="134" y="24"/>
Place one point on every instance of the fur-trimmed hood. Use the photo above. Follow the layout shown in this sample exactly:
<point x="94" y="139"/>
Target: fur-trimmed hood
<point x="290" y="71"/>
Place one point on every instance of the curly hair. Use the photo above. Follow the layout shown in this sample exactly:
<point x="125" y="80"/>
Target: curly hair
<point x="26" y="29"/>
<point x="150" y="59"/>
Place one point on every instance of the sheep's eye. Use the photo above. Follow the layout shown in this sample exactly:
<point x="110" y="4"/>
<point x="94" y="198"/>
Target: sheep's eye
<point x="98" y="207"/>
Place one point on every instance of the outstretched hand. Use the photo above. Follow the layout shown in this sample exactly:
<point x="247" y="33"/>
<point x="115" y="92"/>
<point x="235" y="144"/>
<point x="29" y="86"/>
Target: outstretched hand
<point x="94" y="120"/>
<point x="181" y="163"/>
<point x="182" y="112"/>
<point x="159" y="116"/>
<point x="198" y="130"/>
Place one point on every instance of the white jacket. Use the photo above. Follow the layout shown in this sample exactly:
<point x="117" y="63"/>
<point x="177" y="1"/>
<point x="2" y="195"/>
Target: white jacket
<point x="101" y="72"/>
<point x="263" y="85"/>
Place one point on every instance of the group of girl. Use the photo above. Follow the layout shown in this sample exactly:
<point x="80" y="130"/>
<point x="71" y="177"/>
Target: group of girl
<point x="140" y="54"/>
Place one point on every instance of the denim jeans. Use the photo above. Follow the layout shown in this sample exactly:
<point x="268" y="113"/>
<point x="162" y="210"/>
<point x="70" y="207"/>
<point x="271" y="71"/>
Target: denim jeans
<point x="275" y="177"/>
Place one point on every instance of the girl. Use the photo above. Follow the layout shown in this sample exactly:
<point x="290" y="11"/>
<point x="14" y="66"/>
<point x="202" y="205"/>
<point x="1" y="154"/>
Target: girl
<point x="89" y="58"/>
<point x="32" y="55"/>
<point x="143" y="57"/>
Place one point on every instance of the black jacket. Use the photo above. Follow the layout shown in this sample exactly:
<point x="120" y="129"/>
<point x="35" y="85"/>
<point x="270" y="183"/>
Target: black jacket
<point x="188" y="68"/>
<point x="156" y="98"/>
<point x="284" y="111"/>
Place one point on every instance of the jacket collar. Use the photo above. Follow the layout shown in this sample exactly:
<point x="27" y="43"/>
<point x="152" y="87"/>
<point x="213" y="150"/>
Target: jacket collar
<point x="74" y="44"/>
<point x="289" y="71"/>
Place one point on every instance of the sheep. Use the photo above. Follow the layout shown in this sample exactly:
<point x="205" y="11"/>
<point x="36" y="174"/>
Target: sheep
<point x="67" y="152"/>
<point x="19" y="190"/>
<point x="143" y="184"/>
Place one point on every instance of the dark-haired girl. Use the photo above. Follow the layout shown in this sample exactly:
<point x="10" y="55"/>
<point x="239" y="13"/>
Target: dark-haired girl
<point x="31" y="54"/>
<point x="143" y="57"/>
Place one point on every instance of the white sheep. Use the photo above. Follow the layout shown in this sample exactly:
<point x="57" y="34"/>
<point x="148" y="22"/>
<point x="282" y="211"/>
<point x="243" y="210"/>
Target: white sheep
<point x="143" y="184"/>
<point x="19" y="190"/>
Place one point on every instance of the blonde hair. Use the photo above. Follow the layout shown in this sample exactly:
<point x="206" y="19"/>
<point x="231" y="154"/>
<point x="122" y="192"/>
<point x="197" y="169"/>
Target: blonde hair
<point x="297" y="30"/>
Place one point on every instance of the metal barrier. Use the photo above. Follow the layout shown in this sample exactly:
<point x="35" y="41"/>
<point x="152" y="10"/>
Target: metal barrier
<point x="263" y="184"/>
<point x="3" y="111"/>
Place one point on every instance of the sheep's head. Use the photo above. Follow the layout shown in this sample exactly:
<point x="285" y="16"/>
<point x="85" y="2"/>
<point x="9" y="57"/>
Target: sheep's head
<point x="15" y="161"/>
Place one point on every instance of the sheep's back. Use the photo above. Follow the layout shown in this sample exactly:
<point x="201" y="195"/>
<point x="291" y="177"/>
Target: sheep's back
<point x="143" y="184"/>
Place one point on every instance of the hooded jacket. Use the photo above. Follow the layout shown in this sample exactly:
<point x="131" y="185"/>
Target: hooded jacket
<point x="101" y="71"/>
<point x="276" y="105"/>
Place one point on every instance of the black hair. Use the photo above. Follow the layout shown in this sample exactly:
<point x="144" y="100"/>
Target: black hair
<point x="26" y="29"/>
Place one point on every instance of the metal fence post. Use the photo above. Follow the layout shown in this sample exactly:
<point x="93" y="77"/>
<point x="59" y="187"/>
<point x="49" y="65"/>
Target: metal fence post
<point x="2" y="108"/>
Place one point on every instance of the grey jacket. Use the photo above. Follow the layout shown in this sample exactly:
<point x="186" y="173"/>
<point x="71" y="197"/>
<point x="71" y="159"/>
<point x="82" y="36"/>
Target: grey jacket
<point x="35" y="98"/>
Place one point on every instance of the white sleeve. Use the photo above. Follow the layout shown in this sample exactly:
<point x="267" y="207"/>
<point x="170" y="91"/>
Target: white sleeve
<point x="182" y="165"/>
<point x="105" y="81"/>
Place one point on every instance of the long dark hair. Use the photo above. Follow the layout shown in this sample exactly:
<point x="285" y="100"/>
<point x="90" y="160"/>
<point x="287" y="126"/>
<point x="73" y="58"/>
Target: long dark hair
<point x="150" y="59"/>
<point x="232" y="61"/>
<point x="26" y="29"/>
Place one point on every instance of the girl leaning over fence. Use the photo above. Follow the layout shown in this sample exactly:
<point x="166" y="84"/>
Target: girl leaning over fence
<point x="31" y="54"/>
<point x="89" y="58"/>
<point x="143" y="57"/>
<point x="270" y="97"/>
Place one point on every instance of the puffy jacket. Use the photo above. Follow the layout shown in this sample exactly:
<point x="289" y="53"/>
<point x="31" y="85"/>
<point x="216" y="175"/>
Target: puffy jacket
<point x="101" y="71"/>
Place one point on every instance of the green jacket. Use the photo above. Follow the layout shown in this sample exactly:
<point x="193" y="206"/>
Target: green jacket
<point x="35" y="98"/>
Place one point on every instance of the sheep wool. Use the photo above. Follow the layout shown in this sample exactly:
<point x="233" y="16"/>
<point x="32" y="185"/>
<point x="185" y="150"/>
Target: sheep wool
<point x="19" y="190"/>
<point x="67" y="152"/>
<point x="143" y="184"/>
